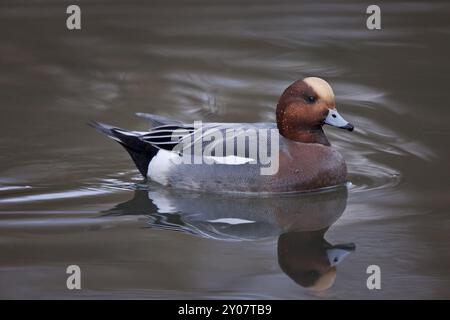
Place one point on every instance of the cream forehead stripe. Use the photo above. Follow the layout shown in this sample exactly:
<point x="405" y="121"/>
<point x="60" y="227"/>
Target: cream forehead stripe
<point x="321" y="87"/>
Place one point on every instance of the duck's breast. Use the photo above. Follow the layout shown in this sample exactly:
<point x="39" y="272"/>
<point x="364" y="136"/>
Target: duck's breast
<point x="309" y="166"/>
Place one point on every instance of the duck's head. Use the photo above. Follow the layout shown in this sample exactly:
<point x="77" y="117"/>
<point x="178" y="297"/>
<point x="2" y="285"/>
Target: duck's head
<point x="304" y="107"/>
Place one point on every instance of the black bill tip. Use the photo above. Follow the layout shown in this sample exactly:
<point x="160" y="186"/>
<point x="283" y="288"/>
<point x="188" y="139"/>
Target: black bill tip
<point x="348" y="126"/>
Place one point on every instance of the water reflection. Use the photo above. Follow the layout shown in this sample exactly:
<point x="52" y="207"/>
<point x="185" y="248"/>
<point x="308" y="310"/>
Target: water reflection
<point x="300" y="222"/>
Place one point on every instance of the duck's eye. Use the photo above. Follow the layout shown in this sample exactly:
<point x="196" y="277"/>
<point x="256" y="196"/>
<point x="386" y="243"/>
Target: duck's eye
<point x="311" y="99"/>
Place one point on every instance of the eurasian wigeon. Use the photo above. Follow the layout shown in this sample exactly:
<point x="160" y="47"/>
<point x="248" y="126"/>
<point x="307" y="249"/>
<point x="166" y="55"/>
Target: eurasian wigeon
<point x="183" y="155"/>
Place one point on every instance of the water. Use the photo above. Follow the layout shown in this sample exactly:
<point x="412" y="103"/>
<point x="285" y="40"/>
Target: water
<point x="70" y="196"/>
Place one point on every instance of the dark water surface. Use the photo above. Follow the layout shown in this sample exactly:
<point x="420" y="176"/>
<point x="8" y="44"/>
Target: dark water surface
<point x="70" y="196"/>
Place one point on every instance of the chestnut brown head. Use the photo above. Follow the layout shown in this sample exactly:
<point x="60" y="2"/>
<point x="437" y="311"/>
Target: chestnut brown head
<point x="305" y="106"/>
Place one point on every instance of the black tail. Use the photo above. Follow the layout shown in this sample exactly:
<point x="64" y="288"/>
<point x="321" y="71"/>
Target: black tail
<point x="141" y="152"/>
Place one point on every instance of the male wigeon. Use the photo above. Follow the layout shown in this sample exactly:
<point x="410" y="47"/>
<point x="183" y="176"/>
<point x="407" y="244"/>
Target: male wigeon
<point x="187" y="156"/>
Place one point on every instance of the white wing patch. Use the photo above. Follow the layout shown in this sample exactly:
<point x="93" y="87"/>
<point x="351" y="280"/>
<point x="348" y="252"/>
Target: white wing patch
<point x="231" y="160"/>
<point x="232" y="221"/>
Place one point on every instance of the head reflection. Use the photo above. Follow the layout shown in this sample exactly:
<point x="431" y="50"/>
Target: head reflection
<point x="300" y="222"/>
<point x="309" y="260"/>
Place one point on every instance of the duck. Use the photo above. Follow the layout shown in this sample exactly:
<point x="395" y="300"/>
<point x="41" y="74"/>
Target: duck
<point x="291" y="155"/>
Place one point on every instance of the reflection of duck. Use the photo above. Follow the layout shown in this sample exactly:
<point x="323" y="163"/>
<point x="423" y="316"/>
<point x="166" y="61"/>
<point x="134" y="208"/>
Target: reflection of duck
<point x="300" y="222"/>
